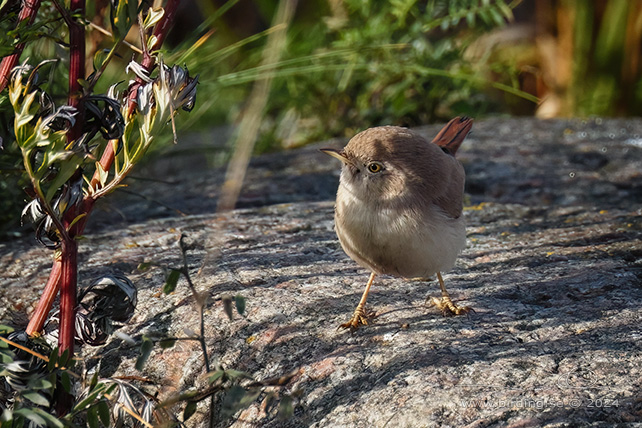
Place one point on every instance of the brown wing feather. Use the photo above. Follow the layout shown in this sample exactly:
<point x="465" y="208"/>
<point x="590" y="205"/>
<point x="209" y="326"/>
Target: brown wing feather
<point x="453" y="134"/>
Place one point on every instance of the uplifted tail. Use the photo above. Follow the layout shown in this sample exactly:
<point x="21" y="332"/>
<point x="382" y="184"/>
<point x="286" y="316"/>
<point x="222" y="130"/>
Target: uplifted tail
<point x="453" y="134"/>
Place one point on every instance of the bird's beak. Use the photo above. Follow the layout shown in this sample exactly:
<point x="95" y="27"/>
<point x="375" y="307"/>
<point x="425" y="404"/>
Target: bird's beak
<point x="337" y="154"/>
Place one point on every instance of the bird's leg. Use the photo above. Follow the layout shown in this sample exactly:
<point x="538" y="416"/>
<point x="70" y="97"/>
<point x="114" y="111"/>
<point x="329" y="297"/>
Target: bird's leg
<point x="360" y="315"/>
<point x="445" y="304"/>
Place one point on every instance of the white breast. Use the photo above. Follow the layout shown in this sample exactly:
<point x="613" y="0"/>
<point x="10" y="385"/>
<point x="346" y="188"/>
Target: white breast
<point x="398" y="243"/>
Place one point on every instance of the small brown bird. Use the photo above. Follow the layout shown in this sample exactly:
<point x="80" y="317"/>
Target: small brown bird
<point x="399" y="205"/>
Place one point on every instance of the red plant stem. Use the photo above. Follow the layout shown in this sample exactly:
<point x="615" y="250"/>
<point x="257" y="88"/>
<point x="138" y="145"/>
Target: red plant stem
<point x="50" y="292"/>
<point x="39" y="316"/>
<point x="68" y="277"/>
<point x="148" y="63"/>
<point x="106" y="161"/>
<point x="28" y="11"/>
<point x="69" y="247"/>
<point x="66" y="330"/>
<point x="76" y="67"/>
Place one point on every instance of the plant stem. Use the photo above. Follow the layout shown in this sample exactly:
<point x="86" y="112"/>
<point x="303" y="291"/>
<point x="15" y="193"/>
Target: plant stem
<point x="50" y="292"/>
<point x="200" y="303"/>
<point x="77" y="72"/>
<point x="201" y="300"/>
<point x="28" y="12"/>
<point x="149" y="62"/>
<point x="76" y="67"/>
<point x="66" y="329"/>
<point x="68" y="278"/>
<point x="69" y="248"/>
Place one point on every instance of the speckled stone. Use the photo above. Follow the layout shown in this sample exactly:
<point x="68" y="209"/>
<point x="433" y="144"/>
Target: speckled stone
<point x="552" y="270"/>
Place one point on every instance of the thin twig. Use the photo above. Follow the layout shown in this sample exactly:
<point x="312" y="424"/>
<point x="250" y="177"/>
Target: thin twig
<point x="109" y="34"/>
<point x="200" y="302"/>
<point x="66" y="16"/>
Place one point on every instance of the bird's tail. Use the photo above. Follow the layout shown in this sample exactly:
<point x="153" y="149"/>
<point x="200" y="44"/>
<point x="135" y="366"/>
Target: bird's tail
<point x="453" y="134"/>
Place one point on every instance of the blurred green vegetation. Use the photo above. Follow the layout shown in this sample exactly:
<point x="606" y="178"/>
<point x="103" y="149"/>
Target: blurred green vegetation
<point x="606" y="53"/>
<point x="352" y="64"/>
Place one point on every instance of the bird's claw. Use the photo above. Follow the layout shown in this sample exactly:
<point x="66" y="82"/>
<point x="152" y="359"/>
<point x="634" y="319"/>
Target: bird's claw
<point x="360" y="317"/>
<point x="447" y="307"/>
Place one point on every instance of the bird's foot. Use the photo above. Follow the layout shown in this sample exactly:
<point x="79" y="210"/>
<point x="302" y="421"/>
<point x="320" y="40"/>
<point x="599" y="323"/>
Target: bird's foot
<point x="360" y="317"/>
<point x="447" y="307"/>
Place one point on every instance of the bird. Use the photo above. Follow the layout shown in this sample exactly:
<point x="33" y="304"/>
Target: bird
<point x="399" y="206"/>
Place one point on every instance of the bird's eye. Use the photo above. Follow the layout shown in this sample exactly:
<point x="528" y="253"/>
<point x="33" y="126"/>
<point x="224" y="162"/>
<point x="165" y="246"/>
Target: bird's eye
<point x="375" y="167"/>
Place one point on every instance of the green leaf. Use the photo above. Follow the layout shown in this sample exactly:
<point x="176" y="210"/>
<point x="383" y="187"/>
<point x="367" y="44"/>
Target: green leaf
<point x="250" y="397"/>
<point x="102" y="174"/>
<point x="125" y="15"/>
<point x="23" y="117"/>
<point x="93" y="381"/>
<point x="172" y="280"/>
<point x="77" y="219"/>
<point x="90" y="398"/>
<point x="6" y="357"/>
<point x="167" y="343"/>
<point x="286" y="408"/>
<point x="145" y="350"/>
<point x="53" y="360"/>
<point x="52" y="421"/>
<point x="63" y="359"/>
<point x="216" y="376"/>
<point x="506" y="10"/>
<point x="66" y="169"/>
<point x="65" y="380"/>
<point x="40" y="383"/>
<point x="92" y="417"/>
<point x="83" y="83"/>
<point x="104" y="412"/>
<point x="232" y="400"/>
<point x="190" y="409"/>
<point x="5" y="329"/>
<point x="151" y="42"/>
<point x="36" y="398"/>
<point x="470" y="18"/>
<point x="497" y="16"/>
<point x="240" y="304"/>
<point x="237" y="374"/>
<point x="153" y="16"/>
<point x="144" y="266"/>
<point x="485" y="16"/>
<point x="100" y="57"/>
<point x="31" y="415"/>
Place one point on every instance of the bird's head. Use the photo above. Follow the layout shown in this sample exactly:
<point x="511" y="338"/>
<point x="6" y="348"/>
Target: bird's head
<point x="385" y="163"/>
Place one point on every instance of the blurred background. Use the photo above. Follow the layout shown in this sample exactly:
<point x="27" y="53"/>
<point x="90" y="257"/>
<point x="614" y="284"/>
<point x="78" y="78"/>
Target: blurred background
<point x="351" y="64"/>
<point x="345" y="65"/>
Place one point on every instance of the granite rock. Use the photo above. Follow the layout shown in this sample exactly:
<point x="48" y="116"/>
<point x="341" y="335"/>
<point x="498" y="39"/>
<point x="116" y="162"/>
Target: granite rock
<point x="552" y="269"/>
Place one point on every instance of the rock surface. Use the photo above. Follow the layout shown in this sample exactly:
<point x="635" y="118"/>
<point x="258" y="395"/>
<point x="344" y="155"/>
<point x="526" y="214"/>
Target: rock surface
<point x="552" y="269"/>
